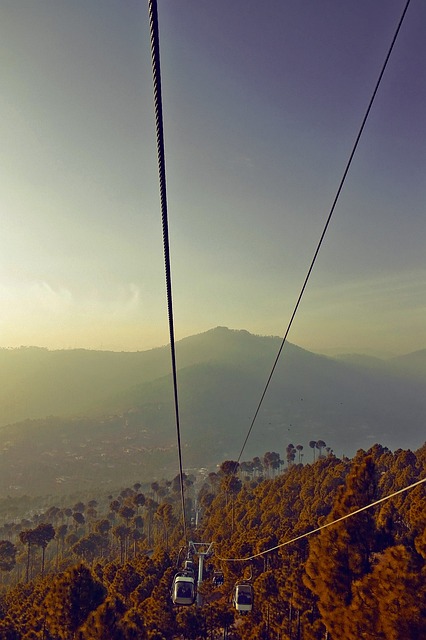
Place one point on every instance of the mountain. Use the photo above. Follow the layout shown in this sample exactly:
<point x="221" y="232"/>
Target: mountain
<point x="116" y="419"/>
<point x="411" y="364"/>
<point x="36" y="382"/>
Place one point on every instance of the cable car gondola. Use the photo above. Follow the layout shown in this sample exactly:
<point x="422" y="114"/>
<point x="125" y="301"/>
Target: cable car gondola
<point x="243" y="597"/>
<point x="183" y="589"/>
<point x="218" y="578"/>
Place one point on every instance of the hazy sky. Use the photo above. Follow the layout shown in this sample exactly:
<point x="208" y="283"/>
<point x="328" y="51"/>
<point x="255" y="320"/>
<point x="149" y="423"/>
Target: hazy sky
<point x="262" y="103"/>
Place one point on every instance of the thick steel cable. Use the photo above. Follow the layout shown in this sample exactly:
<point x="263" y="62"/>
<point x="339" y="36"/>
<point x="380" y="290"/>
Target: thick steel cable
<point x="324" y="526"/>
<point x="155" y="54"/>
<point x="336" y="198"/>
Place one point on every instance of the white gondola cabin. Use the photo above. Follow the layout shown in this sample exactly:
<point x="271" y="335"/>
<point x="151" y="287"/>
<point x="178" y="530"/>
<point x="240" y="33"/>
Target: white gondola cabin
<point x="243" y="597"/>
<point x="218" y="578"/>
<point x="183" y="589"/>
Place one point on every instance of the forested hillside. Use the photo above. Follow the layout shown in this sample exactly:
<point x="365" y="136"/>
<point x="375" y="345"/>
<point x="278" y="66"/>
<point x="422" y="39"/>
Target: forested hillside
<point x="103" y="568"/>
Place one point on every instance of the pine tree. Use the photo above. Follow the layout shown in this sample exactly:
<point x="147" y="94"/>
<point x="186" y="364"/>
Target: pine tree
<point x="105" y="623"/>
<point x="7" y="555"/>
<point x="341" y="554"/>
<point x="73" y="596"/>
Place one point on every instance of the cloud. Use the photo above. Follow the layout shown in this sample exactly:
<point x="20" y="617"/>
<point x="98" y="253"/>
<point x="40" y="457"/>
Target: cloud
<point x="129" y="299"/>
<point x="53" y="300"/>
<point x="41" y="298"/>
<point x="40" y="295"/>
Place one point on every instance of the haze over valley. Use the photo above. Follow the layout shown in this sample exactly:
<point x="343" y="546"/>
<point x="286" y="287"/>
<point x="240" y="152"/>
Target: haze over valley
<point x="74" y="419"/>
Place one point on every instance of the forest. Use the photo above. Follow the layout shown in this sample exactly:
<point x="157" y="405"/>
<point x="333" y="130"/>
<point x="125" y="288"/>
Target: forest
<point x="103" y="568"/>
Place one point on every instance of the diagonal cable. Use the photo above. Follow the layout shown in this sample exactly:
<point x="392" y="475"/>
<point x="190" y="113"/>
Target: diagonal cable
<point x="155" y="54"/>
<point x="326" y="525"/>
<point x="333" y="206"/>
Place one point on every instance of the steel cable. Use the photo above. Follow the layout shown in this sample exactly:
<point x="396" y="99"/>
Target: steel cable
<point x="155" y="54"/>
<point x="333" y="206"/>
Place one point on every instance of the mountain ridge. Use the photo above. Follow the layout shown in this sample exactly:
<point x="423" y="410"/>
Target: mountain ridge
<point x="129" y="428"/>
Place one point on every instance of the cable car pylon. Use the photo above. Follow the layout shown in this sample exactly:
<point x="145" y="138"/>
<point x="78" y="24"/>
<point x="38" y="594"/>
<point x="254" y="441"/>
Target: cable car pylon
<point x="185" y="588"/>
<point x="202" y="550"/>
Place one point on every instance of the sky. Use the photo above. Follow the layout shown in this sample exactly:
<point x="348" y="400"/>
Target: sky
<point x="262" y="104"/>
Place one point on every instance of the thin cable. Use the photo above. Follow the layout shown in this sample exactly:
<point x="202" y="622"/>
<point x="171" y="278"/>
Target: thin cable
<point x="342" y="181"/>
<point x="324" y="526"/>
<point x="155" y="54"/>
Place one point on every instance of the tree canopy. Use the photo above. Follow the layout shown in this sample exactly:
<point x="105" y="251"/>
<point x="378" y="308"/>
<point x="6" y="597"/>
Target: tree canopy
<point x="109" y="575"/>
